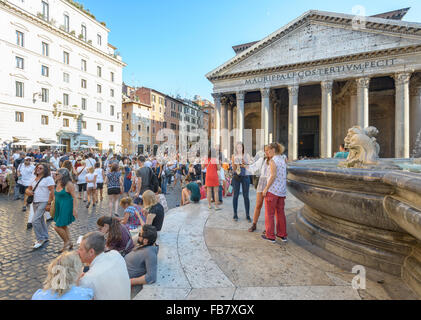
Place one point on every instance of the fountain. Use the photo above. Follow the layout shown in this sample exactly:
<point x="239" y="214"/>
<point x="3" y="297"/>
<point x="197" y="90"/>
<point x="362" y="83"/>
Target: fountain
<point x="365" y="209"/>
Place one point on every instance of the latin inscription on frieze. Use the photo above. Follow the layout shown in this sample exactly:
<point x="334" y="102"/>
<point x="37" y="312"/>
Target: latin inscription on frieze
<point x="334" y="70"/>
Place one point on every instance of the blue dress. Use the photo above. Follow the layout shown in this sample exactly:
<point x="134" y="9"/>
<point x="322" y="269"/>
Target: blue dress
<point x="75" y="293"/>
<point x="127" y="182"/>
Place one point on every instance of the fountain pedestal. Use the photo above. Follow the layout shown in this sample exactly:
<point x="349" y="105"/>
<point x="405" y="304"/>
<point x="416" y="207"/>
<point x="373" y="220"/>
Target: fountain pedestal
<point x="371" y="217"/>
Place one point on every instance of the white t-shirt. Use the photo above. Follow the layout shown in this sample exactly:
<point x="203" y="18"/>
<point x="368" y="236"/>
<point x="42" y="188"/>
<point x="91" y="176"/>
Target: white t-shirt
<point x="221" y="175"/>
<point x="55" y="162"/>
<point x="90" y="177"/>
<point x="42" y="194"/>
<point x="16" y="156"/>
<point x="108" y="277"/>
<point x="99" y="177"/>
<point x="27" y="173"/>
<point x="82" y="176"/>
<point x="90" y="162"/>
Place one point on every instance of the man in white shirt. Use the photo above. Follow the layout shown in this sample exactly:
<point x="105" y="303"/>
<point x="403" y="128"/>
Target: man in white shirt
<point x="55" y="160"/>
<point x="107" y="275"/>
<point x="25" y="176"/>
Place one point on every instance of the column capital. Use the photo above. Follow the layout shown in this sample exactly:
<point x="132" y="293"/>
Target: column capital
<point x="293" y="90"/>
<point x="241" y="95"/>
<point x="353" y="88"/>
<point x="327" y="85"/>
<point x="217" y="96"/>
<point x="265" y="92"/>
<point x="363" y="83"/>
<point x="224" y="100"/>
<point x="402" y="78"/>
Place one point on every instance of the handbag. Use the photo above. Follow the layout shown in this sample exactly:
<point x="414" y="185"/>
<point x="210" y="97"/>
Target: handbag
<point x="30" y="199"/>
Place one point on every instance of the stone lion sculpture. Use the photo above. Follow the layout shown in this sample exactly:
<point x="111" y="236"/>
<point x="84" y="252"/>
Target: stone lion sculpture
<point x="363" y="147"/>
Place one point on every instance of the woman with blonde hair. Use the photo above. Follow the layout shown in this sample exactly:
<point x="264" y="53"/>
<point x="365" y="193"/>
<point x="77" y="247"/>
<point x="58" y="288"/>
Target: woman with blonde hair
<point x="61" y="283"/>
<point x="275" y="193"/>
<point x="153" y="209"/>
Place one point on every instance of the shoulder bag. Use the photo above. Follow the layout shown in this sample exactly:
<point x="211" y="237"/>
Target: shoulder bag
<point x="30" y="199"/>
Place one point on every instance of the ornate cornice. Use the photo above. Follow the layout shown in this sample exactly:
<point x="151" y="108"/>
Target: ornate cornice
<point x="370" y="24"/>
<point x="62" y="34"/>
<point x="387" y="53"/>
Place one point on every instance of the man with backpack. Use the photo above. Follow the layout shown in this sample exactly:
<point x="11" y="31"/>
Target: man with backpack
<point x="146" y="178"/>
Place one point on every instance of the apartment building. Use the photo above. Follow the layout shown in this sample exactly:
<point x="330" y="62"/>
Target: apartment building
<point x="61" y="81"/>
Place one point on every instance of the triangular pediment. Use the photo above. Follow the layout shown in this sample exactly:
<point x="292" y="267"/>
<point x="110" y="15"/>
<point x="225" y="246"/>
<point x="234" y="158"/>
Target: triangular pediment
<point x="318" y="36"/>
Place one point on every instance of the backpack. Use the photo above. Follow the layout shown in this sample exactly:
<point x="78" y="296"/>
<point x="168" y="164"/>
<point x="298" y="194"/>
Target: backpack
<point x="154" y="183"/>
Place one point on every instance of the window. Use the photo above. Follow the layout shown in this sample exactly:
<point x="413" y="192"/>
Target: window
<point x="66" y="23"/>
<point x="83" y="103"/>
<point x="83" y="65"/>
<point x="98" y="88"/>
<point x="20" y="38"/>
<point x="83" y="32"/>
<point x="45" y="49"/>
<point x="66" y="57"/>
<point x="83" y="124"/>
<point x="83" y="83"/>
<point x="66" y="77"/>
<point x="99" y="71"/>
<point x="66" y="123"/>
<point x="45" y="95"/>
<point x="127" y="127"/>
<point x="65" y="99"/>
<point x="112" y="110"/>
<point x="45" y="11"/>
<point x="139" y="127"/>
<point x="153" y="98"/>
<point x="111" y="128"/>
<point x="45" y="71"/>
<point x="112" y="76"/>
<point x="19" y="63"/>
<point x="19" y="116"/>
<point x="112" y="92"/>
<point x="98" y="126"/>
<point x="44" y="120"/>
<point x="19" y="89"/>
<point x="99" y="107"/>
<point x="99" y="39"/>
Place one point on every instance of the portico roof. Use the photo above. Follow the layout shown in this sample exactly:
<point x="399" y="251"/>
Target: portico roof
<point x="409" y="32"/>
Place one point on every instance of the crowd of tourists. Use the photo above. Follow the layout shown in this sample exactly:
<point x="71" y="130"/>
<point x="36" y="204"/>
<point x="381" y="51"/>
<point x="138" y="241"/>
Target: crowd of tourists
<point x="123" y="252"/>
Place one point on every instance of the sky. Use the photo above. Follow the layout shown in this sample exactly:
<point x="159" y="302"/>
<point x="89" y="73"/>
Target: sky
<point x="170" y="45"/>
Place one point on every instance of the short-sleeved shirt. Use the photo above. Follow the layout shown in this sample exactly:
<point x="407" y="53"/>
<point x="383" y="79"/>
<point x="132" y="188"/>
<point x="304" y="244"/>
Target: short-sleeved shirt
<point x="193" y="187"/>
<point x="145" y="174"/>
<point x="42" y="194"/>
<point x="143" y="262"/>
<point x="158" y="210"/>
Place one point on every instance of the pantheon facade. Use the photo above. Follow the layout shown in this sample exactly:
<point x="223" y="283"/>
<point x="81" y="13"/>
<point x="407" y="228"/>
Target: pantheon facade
<point x="307" y="83"/>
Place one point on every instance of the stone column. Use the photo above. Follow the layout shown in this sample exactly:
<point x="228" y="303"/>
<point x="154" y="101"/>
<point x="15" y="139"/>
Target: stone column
<point x="363" y="85"/>
<point x="273" y="117"/>
<point x="326" y="132"/>
<point x="415" y="113"/>
<point x="402" y="115"/>
<point x="224" y="126"/>
<point x="265" y="112"/>
<point x="353" y="96"/>
<point x="217" y="132"/>
<point x="293" y="122"/>
<point x="240" y="116"/>
<point x="230" y="124"/>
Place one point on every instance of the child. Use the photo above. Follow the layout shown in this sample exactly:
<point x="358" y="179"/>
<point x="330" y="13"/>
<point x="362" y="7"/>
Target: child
<point x="100" y="177"/>
<point x="162" y="200"/>
<point x="91" y="187"/>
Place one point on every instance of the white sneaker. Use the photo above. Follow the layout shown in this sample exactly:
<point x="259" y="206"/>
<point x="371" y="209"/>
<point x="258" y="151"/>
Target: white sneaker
<point x="37" y="245"/>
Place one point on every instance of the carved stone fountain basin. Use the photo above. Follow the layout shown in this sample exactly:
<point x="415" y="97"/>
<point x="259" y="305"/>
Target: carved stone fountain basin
<point x="371" y="217"/>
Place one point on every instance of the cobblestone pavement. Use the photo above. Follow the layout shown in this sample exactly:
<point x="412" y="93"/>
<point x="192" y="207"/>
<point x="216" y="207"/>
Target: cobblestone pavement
<point x="22" y="270"/>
